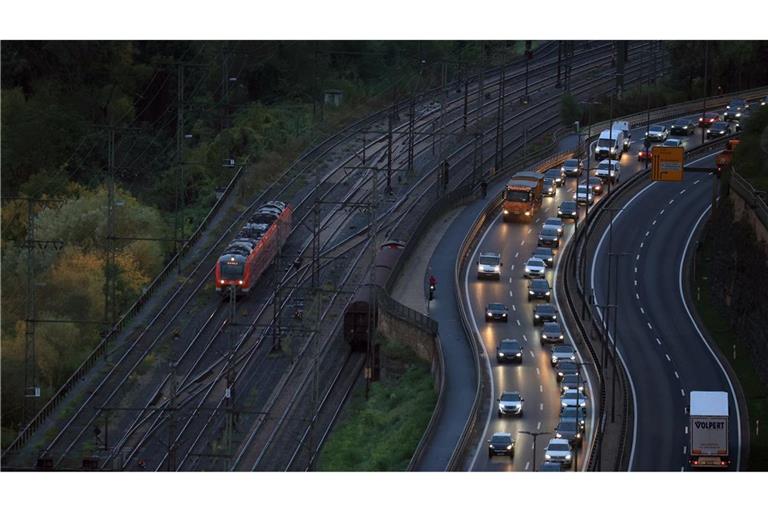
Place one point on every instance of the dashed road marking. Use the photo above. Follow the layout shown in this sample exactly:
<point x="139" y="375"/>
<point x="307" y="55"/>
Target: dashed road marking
<point x="513" y="306"/>
<point x="532" y="354"/>
<point x="525" y="337"/>
<point x="642" y="244"/>
<point x="677" y="376"/>
<point x="641" y="308"/>
<point x="538" y="372"/>
<point x="522" y="242"/>
<point x="635" y="270"/>
<point x="682" y="192"/>
<point x="518" y="322"/>
<point x="635" y="282"/>
<point x="541" y="388"/>
<point x="510" y="280"/>
<point x="668" y="358"/>
<point x="538" y="426"/>
<point x="653" y="223"/>
<point x="658" y="341"/>
<point x="527" y="465"/>
<point x="685" y="449"/>
<point x="671" y="200"/>
<point x="510" y="293"/>
<point x="529" y="230"/>
<point x="517" y="254"/>
<point x="637" y="258"/>
<point x="686" y="429"/>
<point x="541" y="407"/>
<point x="696" y="182"/>
<point x="682" y="391"/>
<point x="512" y="267"/>
<point x="650" y="326"/>
<point x="661" y="212"/>
<point x="647" y="233"/>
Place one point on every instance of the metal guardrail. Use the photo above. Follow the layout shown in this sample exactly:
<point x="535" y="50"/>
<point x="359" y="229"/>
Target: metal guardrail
<point x="751" y="196"/>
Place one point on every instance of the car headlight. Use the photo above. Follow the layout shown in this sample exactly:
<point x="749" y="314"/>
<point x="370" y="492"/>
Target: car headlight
<point x="527" y="214"/>
<point x="561" y="336"/>
<point x="547" y="456"/>
<point x="501" y="354"/>
<point x="708" y="130"/>
<point x="240" y="282"/>
<point x="503" y="314"/>
<point x="554" y="359"/>
<point x="738" y="114"/>
<point x="578" y="435"/>
<point x="536" y="316"/>
<point x="530" y="292"/>
<point x="489" y="313"/>
<point x="497" y="268"/>
<point x="559" y="211"/>
<point x="509" y="447"/>
<point x="221" y="282"/>
<point x="568" y="456"/>
<point x="547" y="293"/>
<point x="506" y="212"/>
<point x="565" y="404"/>
<point x="646" y="134"/>
<point x="519" y="354"/>
<point x="558" y="435"/>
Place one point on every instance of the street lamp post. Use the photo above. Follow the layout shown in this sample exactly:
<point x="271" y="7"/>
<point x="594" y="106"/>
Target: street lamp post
<point x="581" y="364"/>
<point x="534" y="435"/>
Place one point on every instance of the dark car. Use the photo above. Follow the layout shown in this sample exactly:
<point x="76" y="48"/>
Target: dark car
<point x="735" y="109"/>
<point x="681" y="127"/>
<point x="545" y="254"/>
<point x="708" y="119"/>
<point x="572" y="167"/>
<point x="743" y="120"/>
<point x="563" y="368"/>
<point x="501" y="443"/>
<point x="509" y="350"/>
<point x="596" y="184"/>
<point x="645" y="154"/>
<point x="718" y="130"/>
<point x="538" y="289"/>
<point x="569" y="429"/>
<point x="576" y="414"/>
<point x="549" y="237"/>
<point x="562" y="353"/>
<point x="568" y="210"/>
<point x="551" y="333"/>
<point x="549" y="188"/>
<point x="544" y="313"/>
<point x="496" y="311"/>
<point x="572" y="382"/>
<point x="557" y="175"/>
<point x="556" y="223"/>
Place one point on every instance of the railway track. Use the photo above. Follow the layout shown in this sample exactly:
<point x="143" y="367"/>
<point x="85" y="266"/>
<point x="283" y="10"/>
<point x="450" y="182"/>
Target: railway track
<point x="122" y="371"/>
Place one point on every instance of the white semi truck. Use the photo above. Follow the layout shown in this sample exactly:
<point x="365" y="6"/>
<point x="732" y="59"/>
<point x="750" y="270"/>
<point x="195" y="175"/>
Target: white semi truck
<point x="709" y="429"/>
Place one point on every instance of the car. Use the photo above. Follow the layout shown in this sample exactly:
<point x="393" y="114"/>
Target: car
<point x="569" y="429"/>
<point x="566" y="367"/>
<point x="550" y="466"/>
<point x="534" y="267"/>
<point x="501" y="443"/>
<point x="489" y="265"/>
<point x="579" y="415"/>
<point x="496" y="311"/>
<point x="555" y="223"/>
<point x="510" y="404"/>
<point x="539" y="289"/>
<point x="657" y="132"/>
<point x="624" y="126"/>
<point x="708" y="118"/>
<point x="743" y="120"/>
<point x="545" y="254"/>
<point x="608" y="170"/>
<point x="645" y="154"/>
<point x="718" y="130"/>
<point x="596" y="184"/>
<point x="509" y="350"/>
<point x="584" y="194"/>
<point x="572" y="398"/>
<point x="544" y="313"/>
<point x="735" y="109"/>
<point x="571" y="382"/>
<point x="558" y="451"/>
<point x="549" y="188"/>
<point x="572" y="167"/>
<point x="549" y="237"/>
<point x="562" y="353"/>
<point x="673" y="143"/>
<point x="551" y="333"/>
<point x="568" y="210"/>
<point x="557" y="175"/>
<point x="681" y="127"/>
<point x="764" y="101"/>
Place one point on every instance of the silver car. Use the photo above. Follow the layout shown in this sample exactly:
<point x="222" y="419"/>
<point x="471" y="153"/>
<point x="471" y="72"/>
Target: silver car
<point x="554" y="222"/>
<point x="510" y="403"/>
<point x="563" y="353"/>
<point x="657" y="132"/>
<point x="573" y="398"/>
<point x="559" y="451"/>
<point x="535" y="267"/>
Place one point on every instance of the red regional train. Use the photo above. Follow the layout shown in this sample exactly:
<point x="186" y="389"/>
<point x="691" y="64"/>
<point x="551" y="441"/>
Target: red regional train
<point x="247" y="256"/>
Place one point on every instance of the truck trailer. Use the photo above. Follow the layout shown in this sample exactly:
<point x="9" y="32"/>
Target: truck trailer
<point x="708" y="430"/>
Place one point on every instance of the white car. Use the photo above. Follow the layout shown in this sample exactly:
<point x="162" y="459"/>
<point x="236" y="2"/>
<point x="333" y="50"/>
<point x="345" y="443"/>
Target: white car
<point x="584" y="194"/>
<point x="559" y="451"/>
<point x="657" y="132"/>
<point x="573" y="398"/>
<point x="673" y="143"/>
<point x="608" y="170"/>
<point x="535" y="267"/>
<point x="510" y="403"/>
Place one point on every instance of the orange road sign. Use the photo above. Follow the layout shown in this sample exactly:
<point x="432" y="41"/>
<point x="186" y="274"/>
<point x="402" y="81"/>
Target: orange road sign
<point x="667" y="163"/>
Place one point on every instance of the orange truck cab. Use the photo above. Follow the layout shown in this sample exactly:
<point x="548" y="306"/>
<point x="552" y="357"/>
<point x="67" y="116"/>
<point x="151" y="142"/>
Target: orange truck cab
<point x="724" y="159"/>
<point x="522" y="196"/>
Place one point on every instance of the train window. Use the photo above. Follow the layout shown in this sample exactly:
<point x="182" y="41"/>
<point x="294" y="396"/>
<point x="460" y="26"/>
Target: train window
<point x="232" y="270"/>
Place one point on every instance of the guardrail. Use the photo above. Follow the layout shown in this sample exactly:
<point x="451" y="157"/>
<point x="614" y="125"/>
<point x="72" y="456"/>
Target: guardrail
<point x="751" y="196"/>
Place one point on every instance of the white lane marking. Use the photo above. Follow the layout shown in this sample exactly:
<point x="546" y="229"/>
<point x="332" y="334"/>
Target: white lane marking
<point x="518" y="322"/>
<point x="653" y="223"/>
<point x="682" y="191"/>
<point x="512" y="268"/>
<point x="701" y="336"/>
<point x="642" y="244"/>
<point x="635" y="270"/>
<point x="685" y="449"/>
<point x="510" y="293"/>
<point x="599" y="313"/>
<point x="525" y="337"/>
<point x="677" y="376"/>
<point x="532" y="354"/>
<point x="637" y="258"/>
<point x="672" y="200"/>
<point x="635" y="282"/>
<point x="538" y="426"/>
<point x="637" y="296"/>
<point x="668" y="358"/>
<point x="517" y="254"/>
<point x="513" y="306"/>
<point x="696" y="182"/>
<point x="686" y="429"/>
<point x="658" y="341"/>
<point x="642" y="311"/>
<point x="647" y="233"/>
<point x="541" y="407"/>
<point x="541" y="388"/>
<point x="650" y="326"/>
<point x="682" y="391"/>
<point x="538" y="372"/>
<point x="661" y="212"/>
<point x="527" y="465"/>
<point x="522" y="242"/>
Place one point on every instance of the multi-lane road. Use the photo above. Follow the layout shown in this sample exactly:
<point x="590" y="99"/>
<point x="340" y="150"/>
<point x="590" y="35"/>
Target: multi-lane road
<point x="659" y="342"/>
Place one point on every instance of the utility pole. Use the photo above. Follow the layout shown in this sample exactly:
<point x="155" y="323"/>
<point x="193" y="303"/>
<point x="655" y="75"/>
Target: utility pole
<point x="178" y="225"/>
<point x="534" y="435"/>
<point x="411" y="139"/>
<point x="172" y="416"/>
<point x="706" y="90"/>
<point x="389" y="154"/>
<point x="559" y="58"/>
<point x="110" y="270"/>
<point x="31" y="387"/>
<point x="370" y="355"/>
<point x="499" y="156"/>
<point x="229" y="392"/>
<point x="466" y="106"/>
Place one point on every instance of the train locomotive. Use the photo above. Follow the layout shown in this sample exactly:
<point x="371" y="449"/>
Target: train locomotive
<point x="359" y="314"/>
<point x="247" y="256"/>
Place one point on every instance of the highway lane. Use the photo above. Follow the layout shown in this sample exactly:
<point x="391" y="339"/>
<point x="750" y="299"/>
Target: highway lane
<point x="660" y="345"/>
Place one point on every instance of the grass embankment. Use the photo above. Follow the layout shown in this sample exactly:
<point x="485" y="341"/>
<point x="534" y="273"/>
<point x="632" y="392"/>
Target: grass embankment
<point x="755" y="392"/>
<point x="382" y="433"/>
